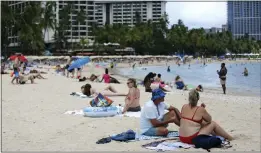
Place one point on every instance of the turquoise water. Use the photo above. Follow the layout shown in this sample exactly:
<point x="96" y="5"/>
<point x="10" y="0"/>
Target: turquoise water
<point x="206" y="75"/>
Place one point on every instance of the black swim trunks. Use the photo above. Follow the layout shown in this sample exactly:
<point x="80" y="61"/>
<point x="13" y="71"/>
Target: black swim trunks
<point x="134" y="109"/>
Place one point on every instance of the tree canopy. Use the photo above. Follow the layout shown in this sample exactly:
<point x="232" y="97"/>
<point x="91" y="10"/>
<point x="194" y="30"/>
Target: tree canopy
<point x="145" y="37"/>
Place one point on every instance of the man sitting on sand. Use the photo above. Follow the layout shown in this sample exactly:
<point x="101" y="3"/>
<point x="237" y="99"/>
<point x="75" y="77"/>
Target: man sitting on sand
<point x="153" y="120"/>
<point x="24" y="78"/>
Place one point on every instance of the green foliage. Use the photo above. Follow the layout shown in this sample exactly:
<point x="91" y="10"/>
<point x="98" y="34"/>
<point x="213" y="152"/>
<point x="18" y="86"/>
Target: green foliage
<point x="149" y="37"/>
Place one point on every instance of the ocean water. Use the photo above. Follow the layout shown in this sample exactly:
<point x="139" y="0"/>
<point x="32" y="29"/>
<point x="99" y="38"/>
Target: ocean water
<point x="206" y="75"/>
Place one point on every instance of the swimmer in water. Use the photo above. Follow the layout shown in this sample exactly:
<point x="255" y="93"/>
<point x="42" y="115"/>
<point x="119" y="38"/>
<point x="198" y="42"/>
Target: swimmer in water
<point x="189" y="66"/>
<point x="168" y="70"/>
<point x="133" y="66"/>
<point x="245" y="72"/>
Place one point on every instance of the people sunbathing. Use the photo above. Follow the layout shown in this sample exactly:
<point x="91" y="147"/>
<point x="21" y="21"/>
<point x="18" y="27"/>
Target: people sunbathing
<point x="24" y="78"/>
<point x="92" y="78"/>
<point x="132" y="100"/>
<point x="195" y="120"/>
<point x="108" y="91"/>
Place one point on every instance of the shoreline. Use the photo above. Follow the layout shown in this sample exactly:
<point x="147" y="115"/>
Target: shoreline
<point x="210" y="90"/>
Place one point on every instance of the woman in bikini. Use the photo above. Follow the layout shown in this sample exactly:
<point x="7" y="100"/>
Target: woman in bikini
<point x="195" y="120"/>
<point x="132" y="100"/>
<point x="108" y="91"/>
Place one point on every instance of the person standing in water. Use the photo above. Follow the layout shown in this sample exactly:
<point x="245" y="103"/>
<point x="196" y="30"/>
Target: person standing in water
<point x="222" y="76"/>
<point x="245" y="72"/>
<point x="168" y="70"/>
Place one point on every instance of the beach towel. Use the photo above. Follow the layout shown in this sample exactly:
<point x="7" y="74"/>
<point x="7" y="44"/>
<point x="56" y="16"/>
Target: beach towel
<point x="166" y="145"/>
<point x="80" y="94"/>
<point x="171" y="134"/>
<point x="101" y="101"/>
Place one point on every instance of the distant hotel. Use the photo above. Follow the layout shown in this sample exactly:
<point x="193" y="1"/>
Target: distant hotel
<point x="101" y="12"/>
<point x="244" y="17"/>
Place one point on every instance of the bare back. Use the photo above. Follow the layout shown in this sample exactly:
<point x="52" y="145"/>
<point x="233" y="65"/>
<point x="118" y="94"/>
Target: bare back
<point x="191" y="120"/>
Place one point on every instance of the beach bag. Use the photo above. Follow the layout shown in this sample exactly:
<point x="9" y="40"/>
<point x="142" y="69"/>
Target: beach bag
<point x="101" y="101"/>
<point x="125" y="136"/>
<point x="207" y="142"/>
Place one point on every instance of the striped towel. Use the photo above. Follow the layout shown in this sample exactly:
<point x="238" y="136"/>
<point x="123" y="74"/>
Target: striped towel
<point x="171" y="134"/>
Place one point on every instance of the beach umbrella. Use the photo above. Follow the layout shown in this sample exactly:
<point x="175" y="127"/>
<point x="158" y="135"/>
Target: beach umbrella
<point x="79" y="63"/>
<point x="21" y="58"/>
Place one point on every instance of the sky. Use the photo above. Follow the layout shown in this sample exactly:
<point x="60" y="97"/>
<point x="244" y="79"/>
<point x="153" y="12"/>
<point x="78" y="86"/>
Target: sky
<point x="198" y="14"/>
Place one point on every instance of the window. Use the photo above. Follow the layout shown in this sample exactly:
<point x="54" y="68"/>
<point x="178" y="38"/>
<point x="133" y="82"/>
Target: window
<point x="75" y="33"/>
<point x="83" y="33"/>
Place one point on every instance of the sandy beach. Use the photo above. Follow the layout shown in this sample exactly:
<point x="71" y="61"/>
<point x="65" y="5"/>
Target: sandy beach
<point x="33" y="116"/>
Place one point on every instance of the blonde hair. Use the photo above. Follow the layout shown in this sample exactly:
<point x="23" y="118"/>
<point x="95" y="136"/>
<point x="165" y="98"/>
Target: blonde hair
<point x="133" y="81"/>
<point x="193" y="98"/>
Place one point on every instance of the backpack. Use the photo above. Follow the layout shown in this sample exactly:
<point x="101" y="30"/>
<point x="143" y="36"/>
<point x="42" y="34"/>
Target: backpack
<point x="207" y="142"/>
<point x="101" y="101"/>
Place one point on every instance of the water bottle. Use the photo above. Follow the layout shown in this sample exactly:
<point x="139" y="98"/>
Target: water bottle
<point x="137" y="135"/>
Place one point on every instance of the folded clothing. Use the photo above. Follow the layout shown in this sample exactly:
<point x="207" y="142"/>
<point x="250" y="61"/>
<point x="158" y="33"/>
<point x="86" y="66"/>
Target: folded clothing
<point x="125" y="136"/>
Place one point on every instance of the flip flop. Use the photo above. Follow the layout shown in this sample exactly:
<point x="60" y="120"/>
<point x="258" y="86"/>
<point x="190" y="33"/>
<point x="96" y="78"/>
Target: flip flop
<point x="104" y="140"/>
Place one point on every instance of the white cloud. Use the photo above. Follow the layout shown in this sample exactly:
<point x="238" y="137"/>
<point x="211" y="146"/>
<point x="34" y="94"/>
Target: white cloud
<point x="198" y="14"/>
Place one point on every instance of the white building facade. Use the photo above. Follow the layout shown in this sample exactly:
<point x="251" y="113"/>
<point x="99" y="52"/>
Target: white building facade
<point x="100" y="12"/>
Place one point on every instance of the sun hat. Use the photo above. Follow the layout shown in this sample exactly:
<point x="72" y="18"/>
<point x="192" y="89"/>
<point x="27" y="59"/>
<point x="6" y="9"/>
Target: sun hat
<point x="157" y="93"/>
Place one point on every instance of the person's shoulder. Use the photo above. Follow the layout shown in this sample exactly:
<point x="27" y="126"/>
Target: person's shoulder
<point x="149" y="104"/>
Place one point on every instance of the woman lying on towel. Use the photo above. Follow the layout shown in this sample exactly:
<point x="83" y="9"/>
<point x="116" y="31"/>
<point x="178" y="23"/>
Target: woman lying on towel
<point x="108" y="91"/>
<point x="24" y="78"/>
<point x="195" y="121"/>
<point x="180" y="83"/>
<point x="132" y="100"/>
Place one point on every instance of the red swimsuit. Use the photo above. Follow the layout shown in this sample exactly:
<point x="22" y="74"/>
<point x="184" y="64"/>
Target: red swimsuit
<point x="189" y="138"/>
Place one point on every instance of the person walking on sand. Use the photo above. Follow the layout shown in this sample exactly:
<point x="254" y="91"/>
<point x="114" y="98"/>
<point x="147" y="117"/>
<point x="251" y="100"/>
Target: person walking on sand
<point x="153" y="120"/>
<point x="195" y="120"/>
<point x="68" y="63"/>
<point x="16" y="69"/>
<point x="222" y="76"/>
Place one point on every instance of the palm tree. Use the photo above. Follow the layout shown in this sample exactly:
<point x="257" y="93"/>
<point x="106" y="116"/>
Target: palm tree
<point x="30" y="29"/>
<point x="49" y="15"/>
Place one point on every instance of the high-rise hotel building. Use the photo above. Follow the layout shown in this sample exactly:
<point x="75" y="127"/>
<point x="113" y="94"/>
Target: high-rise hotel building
<point x="244" y="17"/>
<point x="100" y="12"/>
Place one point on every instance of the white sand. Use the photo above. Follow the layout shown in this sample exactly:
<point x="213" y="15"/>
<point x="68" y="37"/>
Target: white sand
<point x="33" y="118"/>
